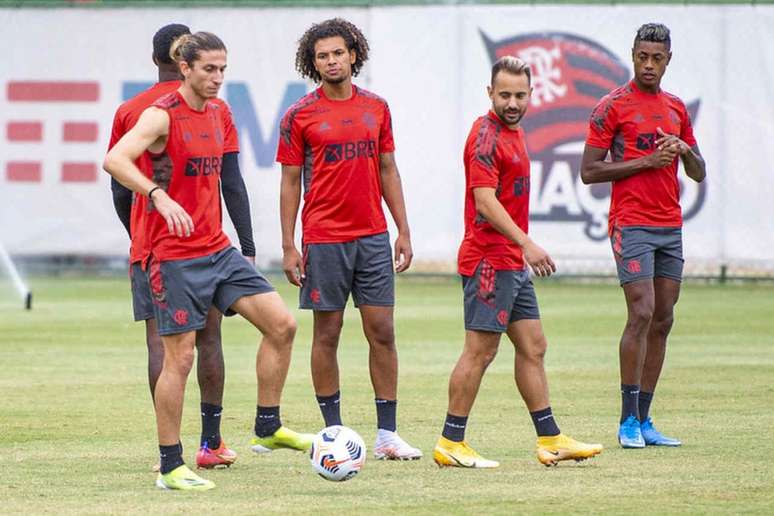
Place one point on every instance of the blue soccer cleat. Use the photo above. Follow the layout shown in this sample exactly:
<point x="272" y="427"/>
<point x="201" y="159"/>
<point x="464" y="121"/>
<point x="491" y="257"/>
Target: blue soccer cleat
<point x="653" y="437"/>
<point x="630" y="434"/>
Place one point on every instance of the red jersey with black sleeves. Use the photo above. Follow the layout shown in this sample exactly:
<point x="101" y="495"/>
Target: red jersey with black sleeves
<point x="188" y="169"/>
<point x="337" y="145"/>
<point x="125" y="118"/>
<point x="625" y="122"/>
<point x="495" y="157"/>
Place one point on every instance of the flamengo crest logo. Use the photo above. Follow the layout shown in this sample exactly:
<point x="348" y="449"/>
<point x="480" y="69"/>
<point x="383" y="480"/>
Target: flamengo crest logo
<point x="570" y="74"/>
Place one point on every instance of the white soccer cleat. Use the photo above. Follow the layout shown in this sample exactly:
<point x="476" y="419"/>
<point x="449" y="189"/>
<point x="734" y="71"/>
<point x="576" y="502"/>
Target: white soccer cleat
<point x="390" y="446"/>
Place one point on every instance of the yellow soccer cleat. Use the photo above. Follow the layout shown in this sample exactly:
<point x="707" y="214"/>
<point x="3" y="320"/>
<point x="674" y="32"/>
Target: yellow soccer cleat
<point x="283" y="438"/>
<point x="450" y="453"/>
<point x="183" y="479"/>
<point x="552" y="449"/>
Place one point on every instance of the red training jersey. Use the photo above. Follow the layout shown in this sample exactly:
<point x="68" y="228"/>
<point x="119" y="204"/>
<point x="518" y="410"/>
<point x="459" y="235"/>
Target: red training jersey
<point x="495" y="157"/>
<point x="337" y="145"/>
<point x="625" y="122"/>
<point x="125" y="118"/>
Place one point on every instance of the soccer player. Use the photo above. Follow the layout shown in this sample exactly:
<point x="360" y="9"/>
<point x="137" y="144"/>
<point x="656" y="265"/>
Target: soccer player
<point x="191" y="265"/>
<point x="338" y="141"/>
<point x="132" y="210"/>
<point x="498" y="294"/>
<point x="645" y="130"/>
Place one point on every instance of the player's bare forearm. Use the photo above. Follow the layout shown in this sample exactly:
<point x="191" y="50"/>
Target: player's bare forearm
<point x="126" y="172"/>
<point x="493" y="211"/>
<point x="290" y="199"/>
<point x="392" y="191"/>
<point x="594" y="168"/>
<point x="489" y="207"/>
<point x="694" y="164"/>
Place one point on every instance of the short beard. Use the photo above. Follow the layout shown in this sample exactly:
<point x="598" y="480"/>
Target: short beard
<point x="502" y="114"/>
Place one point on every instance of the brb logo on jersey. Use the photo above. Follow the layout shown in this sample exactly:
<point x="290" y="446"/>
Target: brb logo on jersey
<point x="335" y="152"/>
<point x="570" y="74"/>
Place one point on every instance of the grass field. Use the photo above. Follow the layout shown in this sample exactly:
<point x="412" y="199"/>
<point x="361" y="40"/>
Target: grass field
<point x="78" y="432"/>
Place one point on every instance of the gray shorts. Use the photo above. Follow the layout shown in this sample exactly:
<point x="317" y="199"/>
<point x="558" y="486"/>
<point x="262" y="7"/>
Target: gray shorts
<point x="494" y="299"/>
<point x="184" y="290"/>
<point x="362" y="267"/>
<point x="142" y="302"/>
<point x="643" y="252"/>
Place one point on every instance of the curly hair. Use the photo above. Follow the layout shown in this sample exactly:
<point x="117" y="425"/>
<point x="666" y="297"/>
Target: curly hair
<point x="352" y="36"/>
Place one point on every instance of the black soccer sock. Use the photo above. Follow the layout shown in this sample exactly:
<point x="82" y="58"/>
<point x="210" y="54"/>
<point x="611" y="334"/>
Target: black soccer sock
<point x="171" y="457"/>
<point x="385" y="414"/>
<point x="267" y="421"/>
<point x="454" y="428"/>
<point x="545" y="424"/>
<point x="630" y="399"/>
<point x="644" y="403"/>
<point x="211" y="425"/>
<point x="329" y="406"/>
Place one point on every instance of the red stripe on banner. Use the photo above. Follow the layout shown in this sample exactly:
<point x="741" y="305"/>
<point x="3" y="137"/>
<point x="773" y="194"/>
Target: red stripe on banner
<point x="80" y="131"/>
<point x="24" y="131"/>
<point x="79" y="172"/>
<point x="24" y="171"/>
<point x="52" y="91"/>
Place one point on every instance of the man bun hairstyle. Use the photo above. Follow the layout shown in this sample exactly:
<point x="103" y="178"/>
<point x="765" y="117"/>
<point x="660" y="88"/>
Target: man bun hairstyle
<point x="163" y="39"/>
<point x="189" y="47"/>
<point x="654" y="32"/>
<point x="513" y="65"/>
<point x="352" y="36"/>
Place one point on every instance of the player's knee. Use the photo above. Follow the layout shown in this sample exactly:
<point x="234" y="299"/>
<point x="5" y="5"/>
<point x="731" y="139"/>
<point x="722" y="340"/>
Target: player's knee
<point x="382" y="334"/>
<point x="482" y="356"/>
<point x="535" y="351"/>
<point x="284" y="329"/>
<point x="640" y="314"/>
<point x="487" y="357"/>
<point x="180" y="362"/>
<point x="328" y="336"/>
<point x="208" y="338"/>
<point x="210" y="365"/>
<point x="661" y="326"/>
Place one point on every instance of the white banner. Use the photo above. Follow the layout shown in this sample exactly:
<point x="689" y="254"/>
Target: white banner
<point x="69" y="69"/>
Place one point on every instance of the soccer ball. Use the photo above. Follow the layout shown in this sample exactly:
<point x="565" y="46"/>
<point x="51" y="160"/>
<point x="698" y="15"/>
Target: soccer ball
<point x="337" y="453"/>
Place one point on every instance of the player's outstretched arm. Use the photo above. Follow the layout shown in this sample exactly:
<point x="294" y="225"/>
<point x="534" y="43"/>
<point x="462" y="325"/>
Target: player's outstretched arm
<point x="237" y="203"/>
<point x="489" y="207"/>
<point x="148" y="134"/>
<point x="594" y="168"/>
<point x="290" y="199"/>
<point x="392" y="190"/>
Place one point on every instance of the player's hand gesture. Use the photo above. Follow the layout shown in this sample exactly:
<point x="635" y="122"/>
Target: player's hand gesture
<point x="293" y="265"/>
<point x="666" y="140"/>
<point x="664" y="156"/>
<point x="538" y="259"/>
<point x="178" y="220"/>
<point x="403" y="253"/>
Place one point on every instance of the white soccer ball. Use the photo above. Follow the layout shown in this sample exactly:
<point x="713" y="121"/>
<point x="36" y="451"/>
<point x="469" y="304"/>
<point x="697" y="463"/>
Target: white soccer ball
<point x="338" y="453"/>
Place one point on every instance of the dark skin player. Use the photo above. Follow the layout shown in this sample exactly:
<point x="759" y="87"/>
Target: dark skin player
<point x="650" y="303"/>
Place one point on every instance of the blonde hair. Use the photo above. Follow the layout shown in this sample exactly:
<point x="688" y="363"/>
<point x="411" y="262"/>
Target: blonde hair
<point x="189" y="47"/>
<point x="511" y="64"/>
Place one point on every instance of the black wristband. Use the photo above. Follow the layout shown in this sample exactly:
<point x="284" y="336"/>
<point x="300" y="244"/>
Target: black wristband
<point x="150" y="192"/>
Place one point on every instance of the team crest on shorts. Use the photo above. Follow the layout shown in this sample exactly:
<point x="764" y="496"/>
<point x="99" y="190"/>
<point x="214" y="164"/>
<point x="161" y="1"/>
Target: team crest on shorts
<point x="181" y="317"/>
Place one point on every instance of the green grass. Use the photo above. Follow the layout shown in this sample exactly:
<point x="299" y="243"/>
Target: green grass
<point x="78" y="433"/>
